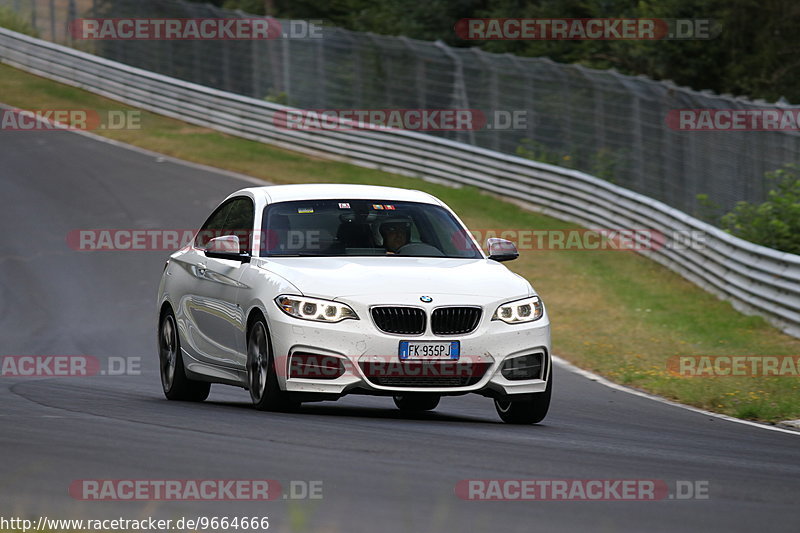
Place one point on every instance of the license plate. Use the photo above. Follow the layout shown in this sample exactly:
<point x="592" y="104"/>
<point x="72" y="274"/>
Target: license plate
<point x="427" y="350"/>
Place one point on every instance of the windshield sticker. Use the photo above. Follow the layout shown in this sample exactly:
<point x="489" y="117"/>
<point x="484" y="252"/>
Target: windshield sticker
<point x="377" y="206"/>
<point x="390" y="207"/>
<point x="305" y="209"/>
<point x="344" y="205"/>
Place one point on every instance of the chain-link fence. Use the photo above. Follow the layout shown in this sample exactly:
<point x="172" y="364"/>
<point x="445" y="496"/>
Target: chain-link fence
<point x="600" y="122"/>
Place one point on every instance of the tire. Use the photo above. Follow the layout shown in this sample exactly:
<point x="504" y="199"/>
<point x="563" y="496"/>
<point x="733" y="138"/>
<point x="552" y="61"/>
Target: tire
<point x="417" y="402"/>
<point x="174" y="382"/>
<point x="529" y="410"/>
<point x="262" y="379"/>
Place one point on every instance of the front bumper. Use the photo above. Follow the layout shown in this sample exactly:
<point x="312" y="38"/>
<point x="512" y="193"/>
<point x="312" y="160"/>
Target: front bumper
<point x="362" y="348"/>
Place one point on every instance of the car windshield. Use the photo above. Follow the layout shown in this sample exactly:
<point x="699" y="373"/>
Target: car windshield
<point x="363" y="227"/>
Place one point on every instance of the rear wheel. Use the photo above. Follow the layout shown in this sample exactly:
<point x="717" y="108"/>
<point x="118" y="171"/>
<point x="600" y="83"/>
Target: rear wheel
<point x="530" y="409"/>
<point x="417" y="402"/>
<point x="173" y="374"/>
<point x="262" y="379"/>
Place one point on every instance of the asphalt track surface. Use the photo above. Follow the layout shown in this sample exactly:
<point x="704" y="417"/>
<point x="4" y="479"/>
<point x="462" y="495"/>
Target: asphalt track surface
<point x="381" y="471"/>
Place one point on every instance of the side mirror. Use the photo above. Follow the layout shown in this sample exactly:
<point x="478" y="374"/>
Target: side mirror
<point x="226" y="247"/>
<point x="501" y="249"/>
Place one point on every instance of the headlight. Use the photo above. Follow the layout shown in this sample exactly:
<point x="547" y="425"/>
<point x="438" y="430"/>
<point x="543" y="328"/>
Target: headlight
<point x="520" y="311"/>
<point x="315" y="309"/>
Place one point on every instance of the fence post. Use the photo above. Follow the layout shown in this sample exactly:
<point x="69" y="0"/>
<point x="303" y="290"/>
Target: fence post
<point x="53" y="37"/>
<point x="528" y="97"/>
<point x="356" y="88"/>
<point x="255" y="74"/>
<point x="598" y="112"/>
<point x="459" y="95"/>
<point x="386" y="63"/>
<point x="72" y="14"/>
<point x="636" y="176"/>
<point x="285" y="59"/>
<point x="489" y="70"/>
<point x="320" y="83"/>
<point x="419" y="75"/>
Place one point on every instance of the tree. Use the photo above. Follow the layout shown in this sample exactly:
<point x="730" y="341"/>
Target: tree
<point x="757" y="53"/>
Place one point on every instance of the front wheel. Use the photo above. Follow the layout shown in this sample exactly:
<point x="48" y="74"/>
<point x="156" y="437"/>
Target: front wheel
<point x="416" y="403"/>
<point x="531" y="409"/>
<point x="173" y="374"/>
<point x="262" y="380"/>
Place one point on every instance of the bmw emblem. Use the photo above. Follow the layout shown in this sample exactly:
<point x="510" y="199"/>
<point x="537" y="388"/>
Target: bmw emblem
<point x="426" y="299"/>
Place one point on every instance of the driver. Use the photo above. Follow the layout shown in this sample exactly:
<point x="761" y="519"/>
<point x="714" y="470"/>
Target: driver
<point x="396" y="233"/>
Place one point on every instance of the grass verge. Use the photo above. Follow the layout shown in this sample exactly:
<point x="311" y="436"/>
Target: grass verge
<point x="615" y="313"/>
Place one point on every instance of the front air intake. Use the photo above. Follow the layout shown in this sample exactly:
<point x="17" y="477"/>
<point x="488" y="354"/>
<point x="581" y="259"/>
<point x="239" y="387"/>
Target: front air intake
<point x="523" y="367"/>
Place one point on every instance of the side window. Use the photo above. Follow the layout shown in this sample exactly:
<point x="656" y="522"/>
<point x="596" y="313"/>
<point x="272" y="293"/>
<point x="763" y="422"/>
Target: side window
<point x="213" y="226"/>
<point x="240" y="222"/>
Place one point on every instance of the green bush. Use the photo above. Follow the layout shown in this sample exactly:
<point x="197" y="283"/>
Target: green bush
<point x="776" y="222"/>
<point x="604" y="163"/>
<point x="537" y="151"/>
<point x="14" y="22"/>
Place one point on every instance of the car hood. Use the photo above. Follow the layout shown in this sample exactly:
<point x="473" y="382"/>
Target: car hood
<point x="333" y="277"/>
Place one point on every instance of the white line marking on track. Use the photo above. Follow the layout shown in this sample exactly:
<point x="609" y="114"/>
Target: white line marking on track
<point x="616" y="386"/>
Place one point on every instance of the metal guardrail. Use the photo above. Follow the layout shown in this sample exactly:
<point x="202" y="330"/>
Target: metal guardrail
<point x="755" y="279"/>
<point x="607" y="124"/>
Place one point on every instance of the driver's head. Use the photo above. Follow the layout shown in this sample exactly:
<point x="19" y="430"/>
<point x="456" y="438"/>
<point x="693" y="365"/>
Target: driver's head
<point x="395" y="233"/>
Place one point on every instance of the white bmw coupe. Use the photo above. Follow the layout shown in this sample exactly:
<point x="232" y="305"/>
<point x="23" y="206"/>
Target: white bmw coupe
<point x="302" y="293"/>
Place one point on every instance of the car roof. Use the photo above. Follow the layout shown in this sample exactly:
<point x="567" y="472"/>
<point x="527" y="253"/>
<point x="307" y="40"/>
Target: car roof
<point x="340" y="191"/>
